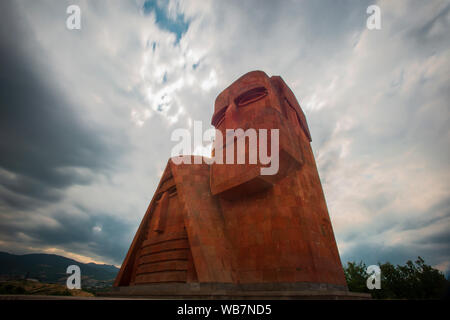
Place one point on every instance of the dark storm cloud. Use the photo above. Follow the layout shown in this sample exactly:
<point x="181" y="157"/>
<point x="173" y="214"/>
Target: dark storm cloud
<point x="430" y="248"/>
<point x="41" y="135"/>
<point x="372" y="248"/>
<point x="23" y="192"/>
<point x="372" y="253"/>
<point x="90" y="234"/>
<point x="79" y="233"/>
<point x="426" y="218"/>
<point x="423" y="33"/>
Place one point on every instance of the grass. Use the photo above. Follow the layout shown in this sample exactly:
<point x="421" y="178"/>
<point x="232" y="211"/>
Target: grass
<point x="38" y="288"/>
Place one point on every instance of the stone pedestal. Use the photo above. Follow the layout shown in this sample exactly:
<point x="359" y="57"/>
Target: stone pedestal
<point x="253" y="291"/>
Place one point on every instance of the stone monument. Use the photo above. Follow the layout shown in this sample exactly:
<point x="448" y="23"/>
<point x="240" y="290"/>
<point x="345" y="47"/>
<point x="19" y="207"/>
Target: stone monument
<point x="228" y="231"/>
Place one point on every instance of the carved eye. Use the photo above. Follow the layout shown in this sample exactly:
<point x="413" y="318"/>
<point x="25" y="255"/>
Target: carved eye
<point x="219" y="117"/>
<point x="251" y="96"/>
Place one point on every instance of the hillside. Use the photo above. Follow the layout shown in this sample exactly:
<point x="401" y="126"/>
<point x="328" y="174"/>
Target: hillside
<point x="51" y="268"/>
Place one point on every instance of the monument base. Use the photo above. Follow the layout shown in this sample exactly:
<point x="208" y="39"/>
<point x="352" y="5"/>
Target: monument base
<point x="251" y="291"/>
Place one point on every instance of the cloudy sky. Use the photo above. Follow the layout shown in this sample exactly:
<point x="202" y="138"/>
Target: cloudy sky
<point x="86" y="115"/>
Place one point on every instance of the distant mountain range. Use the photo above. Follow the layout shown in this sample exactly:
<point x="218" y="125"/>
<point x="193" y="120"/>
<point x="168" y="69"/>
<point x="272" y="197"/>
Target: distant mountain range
<point x="51" y="268"/>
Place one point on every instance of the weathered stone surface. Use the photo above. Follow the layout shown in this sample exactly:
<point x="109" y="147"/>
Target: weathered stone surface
<point x="227" y="223"/>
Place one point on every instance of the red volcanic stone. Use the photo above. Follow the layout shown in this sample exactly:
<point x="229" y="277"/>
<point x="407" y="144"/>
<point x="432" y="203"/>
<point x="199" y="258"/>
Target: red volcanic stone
<point x="227" y="223"/>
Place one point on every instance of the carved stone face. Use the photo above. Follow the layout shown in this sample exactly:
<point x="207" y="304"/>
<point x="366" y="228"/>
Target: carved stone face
<point x="255" y="101"/>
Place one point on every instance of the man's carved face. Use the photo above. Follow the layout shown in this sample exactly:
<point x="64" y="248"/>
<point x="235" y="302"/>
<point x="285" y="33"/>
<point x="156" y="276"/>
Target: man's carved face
<point x="251" y="103"/>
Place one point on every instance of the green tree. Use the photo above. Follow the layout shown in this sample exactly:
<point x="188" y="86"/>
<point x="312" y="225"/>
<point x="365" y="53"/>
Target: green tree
<point x="414" y="280"/>
<point x="356" y="276"/>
